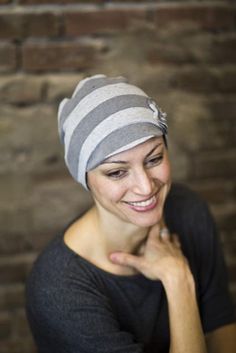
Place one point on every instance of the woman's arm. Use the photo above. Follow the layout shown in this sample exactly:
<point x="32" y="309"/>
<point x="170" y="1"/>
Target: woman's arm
<point x="222" y="340"/>
<point x="162" y="259"/>
<point x="185" y="326"/>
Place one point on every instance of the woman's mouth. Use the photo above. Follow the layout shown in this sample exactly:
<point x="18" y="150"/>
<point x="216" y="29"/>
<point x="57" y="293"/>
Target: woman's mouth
<point x="145" y="205"/>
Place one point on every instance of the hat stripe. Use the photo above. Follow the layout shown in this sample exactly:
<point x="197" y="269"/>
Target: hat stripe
<point x="83" y="89"/>
<point x="114" y="122"/>
<point x="95" y="117"/>
<point x="121" y="140"/>
<point x="91" y="101"/>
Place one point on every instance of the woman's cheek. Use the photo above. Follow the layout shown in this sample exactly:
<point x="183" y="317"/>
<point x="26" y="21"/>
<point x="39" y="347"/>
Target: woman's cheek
<point x="167" y="170"/>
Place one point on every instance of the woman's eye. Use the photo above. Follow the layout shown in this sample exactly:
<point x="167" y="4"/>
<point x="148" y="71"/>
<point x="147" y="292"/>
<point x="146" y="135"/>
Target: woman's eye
<point x="154" y="160"/>
<point x="116" y="174"/>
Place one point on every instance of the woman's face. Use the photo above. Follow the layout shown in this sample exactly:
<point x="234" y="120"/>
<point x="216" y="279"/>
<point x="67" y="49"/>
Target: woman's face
<point x="133" y="185"/>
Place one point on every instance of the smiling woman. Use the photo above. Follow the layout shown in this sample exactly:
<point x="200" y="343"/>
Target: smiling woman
<point x="142" y="270"/>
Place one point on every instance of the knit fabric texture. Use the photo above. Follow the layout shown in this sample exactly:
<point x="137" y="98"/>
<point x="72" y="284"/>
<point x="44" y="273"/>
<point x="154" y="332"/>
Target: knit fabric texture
<point x="105" y="116"/>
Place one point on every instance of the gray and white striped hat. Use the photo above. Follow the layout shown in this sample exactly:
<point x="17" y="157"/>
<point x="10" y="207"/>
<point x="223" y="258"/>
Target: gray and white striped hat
<point x="104" y="116"/>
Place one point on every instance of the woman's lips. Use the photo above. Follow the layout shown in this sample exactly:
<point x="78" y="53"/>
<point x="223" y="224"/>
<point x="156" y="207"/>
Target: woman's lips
<point x="142" y="206"/>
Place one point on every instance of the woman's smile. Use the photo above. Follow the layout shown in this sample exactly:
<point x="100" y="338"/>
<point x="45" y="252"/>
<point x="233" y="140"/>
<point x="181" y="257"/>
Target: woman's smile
<point x="143" y="206"/>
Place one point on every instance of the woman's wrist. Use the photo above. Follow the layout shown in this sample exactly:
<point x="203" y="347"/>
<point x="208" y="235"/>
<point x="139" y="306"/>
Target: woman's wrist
<point x="185" y="323"/>
<point x="179" y="280"/>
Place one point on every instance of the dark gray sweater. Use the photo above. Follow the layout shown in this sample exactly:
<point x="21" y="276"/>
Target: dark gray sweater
<point x="75" y="307"/>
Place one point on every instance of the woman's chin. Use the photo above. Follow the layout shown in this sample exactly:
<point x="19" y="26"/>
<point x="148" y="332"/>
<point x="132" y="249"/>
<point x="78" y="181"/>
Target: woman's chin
<point x="148" y="221"/>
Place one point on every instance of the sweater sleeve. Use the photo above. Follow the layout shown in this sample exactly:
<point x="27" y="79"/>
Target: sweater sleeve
<point x="69" y="314"/>
<point x="189" y="216"/>
<point x="216" y="305"/>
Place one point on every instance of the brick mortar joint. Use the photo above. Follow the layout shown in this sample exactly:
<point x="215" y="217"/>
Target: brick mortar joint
<point x="64" y="8"/>
<point x="25" y="258"/>
<point x="83" y="41"/>
<point x="10" y="287"/>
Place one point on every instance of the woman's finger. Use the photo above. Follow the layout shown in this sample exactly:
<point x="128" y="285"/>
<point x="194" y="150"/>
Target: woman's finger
<point x="124" y="259"/>
<point x="176" y="240"/>
<point x="164" y="234"/>
<point x="154" y="232"/>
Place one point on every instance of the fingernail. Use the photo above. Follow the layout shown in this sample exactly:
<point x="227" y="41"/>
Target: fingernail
<point x="164" y="232"/>
<point x="113" y="257"/>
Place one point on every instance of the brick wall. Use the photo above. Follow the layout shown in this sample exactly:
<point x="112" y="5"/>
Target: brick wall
<point x="182" y="53"/>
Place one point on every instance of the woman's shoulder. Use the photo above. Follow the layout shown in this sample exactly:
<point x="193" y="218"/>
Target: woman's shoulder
<point x="186" y="212"/>
<point x="182" y="198"/>
<point x="56" y="274"/>
<point x="50" y="266"/>
<point x="183" y="191"/>
<point x="56" y="263"/>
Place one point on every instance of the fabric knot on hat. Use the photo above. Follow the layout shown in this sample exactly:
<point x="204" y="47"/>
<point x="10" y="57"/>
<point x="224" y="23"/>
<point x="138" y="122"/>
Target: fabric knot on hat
<point x="105" y="116"/>
<point x="159" y="115"/>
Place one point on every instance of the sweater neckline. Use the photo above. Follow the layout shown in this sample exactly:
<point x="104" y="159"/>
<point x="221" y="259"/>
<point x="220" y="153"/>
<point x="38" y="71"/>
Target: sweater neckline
<point x="98" y="269"/>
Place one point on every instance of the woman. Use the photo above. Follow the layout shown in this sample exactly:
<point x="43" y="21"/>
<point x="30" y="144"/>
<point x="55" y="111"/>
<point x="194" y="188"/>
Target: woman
<point x="142" y="270"/>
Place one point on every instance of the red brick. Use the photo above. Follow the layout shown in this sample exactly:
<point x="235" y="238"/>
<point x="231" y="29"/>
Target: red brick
<point x="194" y="79"/>
<point x="12" y="297"/>
<point x="209" y="17"/>
<point x="21" y="89"/>
<point x="196" y="47"/>
<point x="205" y="79"/>
<point x="18" y="345"/>
<point x="57" y="56"/>
<point x="15" y="269"/>
<point x="230" y="244"/>
<point x="20" y="324"/>
<point x="40" y="25"/>
<point x="11" y="26"/>
<point x="14" y="26"/>
<point x="14" y="243"/>
<point x="101" y="21"/>
<point x="11" y="274"/>
<point x="215" y="192"/>
<point x="8" y="61"/>
<point x="169" y="53"/>
<point x="221" y="133"/>
<point x="222" y="123"/>
<point x="222" y="107"/>
<point x="227" y="220"/>
<point x="220" y="164"/>
<point x="232" y="273"/>
<point x="5" y="325"/>
<point x="125" y="1"/>
<point x="223" y="50"/>
<point x="59" y="86"/>
<point x="227" y="80"/>
<point x="57" y="2"/>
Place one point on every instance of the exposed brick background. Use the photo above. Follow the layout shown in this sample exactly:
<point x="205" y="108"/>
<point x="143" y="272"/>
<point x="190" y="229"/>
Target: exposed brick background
<point x="183" y="53"/>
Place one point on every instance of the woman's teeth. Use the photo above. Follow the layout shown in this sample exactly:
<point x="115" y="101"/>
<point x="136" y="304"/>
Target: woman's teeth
<point x="143" y="203"/>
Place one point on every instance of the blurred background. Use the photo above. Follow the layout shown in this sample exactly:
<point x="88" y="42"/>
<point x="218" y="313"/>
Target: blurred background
<point x="182" y="53"/>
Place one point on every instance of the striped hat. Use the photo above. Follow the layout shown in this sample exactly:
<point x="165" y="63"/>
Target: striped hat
<point x="105" y="116"/>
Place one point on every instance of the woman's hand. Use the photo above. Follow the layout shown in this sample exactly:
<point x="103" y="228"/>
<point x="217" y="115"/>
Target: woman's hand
<point x="161" y="257"/>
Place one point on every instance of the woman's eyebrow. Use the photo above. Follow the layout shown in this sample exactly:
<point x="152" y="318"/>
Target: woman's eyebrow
<point x="149" y="153"/>
<point x="125" y="162"/>
<point x="116" y="162"/>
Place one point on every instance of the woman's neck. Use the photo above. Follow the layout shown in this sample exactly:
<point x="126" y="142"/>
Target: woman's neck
<point x="109" y="234"/>
<point x="97" y="234"/>
<point x="116" y="234"/>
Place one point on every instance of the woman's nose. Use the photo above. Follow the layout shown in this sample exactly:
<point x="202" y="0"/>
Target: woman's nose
<point x="143" y="182"/>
